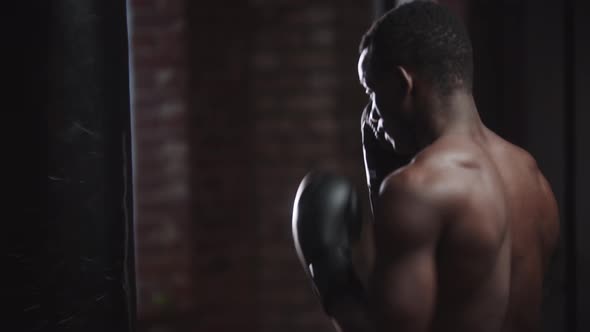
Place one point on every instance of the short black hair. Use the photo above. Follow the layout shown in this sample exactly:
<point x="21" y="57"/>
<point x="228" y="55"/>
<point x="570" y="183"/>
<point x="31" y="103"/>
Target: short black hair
<point x="426" y="37"/>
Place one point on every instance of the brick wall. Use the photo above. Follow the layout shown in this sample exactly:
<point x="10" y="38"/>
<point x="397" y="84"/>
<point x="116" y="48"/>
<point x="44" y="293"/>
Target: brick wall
<point x="274" y="94"/>
<point x="307" y="102"/>
<point x="234" y="103"/>
<point x="164" y="249"/>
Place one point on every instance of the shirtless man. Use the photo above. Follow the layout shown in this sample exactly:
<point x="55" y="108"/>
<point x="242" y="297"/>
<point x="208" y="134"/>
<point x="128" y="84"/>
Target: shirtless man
<point x="463" y="230"/>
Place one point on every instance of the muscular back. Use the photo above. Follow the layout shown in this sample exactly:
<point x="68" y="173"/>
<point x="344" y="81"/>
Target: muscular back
<point x="496" y="234"/>
<point x="532" y="224"/>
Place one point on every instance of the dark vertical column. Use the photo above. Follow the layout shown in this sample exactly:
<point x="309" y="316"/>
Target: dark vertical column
<point x="580" y="121"/>
<point x="74" y="250"/>
<point x="569" y="205"/>
<point x="485" y="24"/>
<point x="497" y="30"/>
<point x="511" y="52"/>
<point x="24" y="153"/>
<point x="545" y="134"/>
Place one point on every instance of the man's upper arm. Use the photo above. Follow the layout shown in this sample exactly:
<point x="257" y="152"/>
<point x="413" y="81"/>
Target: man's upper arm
<point x="403" y="282"/>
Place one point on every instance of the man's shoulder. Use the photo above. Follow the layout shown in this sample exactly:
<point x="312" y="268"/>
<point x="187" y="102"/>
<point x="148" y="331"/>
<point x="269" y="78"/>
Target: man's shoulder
<point x="417" y="187"/>
<point x="435" y="178"/>
<point x="408" y="210"/>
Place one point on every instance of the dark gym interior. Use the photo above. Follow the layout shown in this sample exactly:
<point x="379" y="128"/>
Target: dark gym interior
<point x="155" y="147"/>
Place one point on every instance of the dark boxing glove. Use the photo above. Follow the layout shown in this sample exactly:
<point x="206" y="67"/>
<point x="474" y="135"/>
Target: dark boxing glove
<point x="327" y="221"/>
<point x="379" y="156"/>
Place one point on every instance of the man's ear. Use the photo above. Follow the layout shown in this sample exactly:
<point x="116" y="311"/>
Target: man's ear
<point x="406" y="80"/>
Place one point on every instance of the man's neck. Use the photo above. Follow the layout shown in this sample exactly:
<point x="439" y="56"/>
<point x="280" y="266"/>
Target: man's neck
<point x="453" y="114"/>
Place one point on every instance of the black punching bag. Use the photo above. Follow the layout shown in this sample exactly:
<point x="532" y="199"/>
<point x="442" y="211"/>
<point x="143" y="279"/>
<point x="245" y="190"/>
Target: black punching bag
<point x="69" y="261"/>
<point x="382" y="6"/>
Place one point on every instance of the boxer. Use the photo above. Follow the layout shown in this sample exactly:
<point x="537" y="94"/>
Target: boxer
<point x="464" y="222"/>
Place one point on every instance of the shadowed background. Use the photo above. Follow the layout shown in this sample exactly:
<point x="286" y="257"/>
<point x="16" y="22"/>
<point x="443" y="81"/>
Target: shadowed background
<point x="230" y="104"/>
<point x="235" y="101"/>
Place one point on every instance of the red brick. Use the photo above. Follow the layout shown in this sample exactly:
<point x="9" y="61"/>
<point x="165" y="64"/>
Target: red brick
<point x="273" y="95"/>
